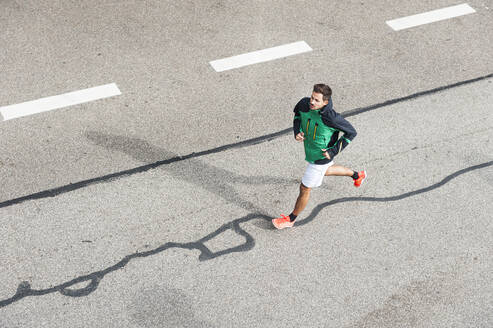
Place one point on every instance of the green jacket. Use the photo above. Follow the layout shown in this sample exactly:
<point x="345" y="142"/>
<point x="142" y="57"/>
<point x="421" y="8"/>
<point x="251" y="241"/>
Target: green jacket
<point x="321" y="129"/>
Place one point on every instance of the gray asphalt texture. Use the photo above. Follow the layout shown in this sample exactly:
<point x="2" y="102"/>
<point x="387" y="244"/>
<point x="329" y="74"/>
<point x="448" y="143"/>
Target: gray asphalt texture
<point x="153" y="208"/>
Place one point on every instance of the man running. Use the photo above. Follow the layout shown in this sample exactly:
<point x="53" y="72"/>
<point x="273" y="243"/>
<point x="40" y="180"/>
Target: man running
<point x="317" y="125"/>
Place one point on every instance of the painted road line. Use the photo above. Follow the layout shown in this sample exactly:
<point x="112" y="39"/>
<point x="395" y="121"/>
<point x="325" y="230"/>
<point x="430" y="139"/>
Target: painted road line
<point x="55" y="102"/>
<point x="430" y="17"/>
<point x="260" y="56"/>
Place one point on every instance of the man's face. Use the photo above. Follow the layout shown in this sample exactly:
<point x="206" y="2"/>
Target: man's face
<point x="317" y="101"/>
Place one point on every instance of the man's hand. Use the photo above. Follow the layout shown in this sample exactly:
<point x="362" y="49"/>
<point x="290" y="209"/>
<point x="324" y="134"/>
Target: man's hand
<point x="326" y="155"/>
<point x="300" y="136"/>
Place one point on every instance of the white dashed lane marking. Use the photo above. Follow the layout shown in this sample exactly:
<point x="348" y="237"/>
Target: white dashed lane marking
<point x="430" y="17"/>
<point x="55" y="102"/>
<point x="260" y="56"/>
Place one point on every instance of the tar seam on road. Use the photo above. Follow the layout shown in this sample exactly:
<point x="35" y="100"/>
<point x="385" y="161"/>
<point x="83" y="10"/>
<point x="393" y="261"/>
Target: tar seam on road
<point x="268" y="137"/>
<point x="24" y="289"/>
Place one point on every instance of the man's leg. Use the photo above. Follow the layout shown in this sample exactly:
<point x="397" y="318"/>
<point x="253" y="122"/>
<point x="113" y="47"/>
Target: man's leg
<point x="302" y="200"/>
<point x="313" y="177"/>
<point x="339" y="170"/>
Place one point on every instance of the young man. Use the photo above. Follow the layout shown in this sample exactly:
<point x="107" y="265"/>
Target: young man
<point x="317" y="125"/>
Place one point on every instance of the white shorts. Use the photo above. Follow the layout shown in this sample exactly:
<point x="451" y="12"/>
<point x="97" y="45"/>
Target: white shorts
<point x="314" y="174"/>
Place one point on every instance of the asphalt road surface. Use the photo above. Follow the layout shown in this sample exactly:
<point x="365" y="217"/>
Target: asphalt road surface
<point x="153" y="208"/>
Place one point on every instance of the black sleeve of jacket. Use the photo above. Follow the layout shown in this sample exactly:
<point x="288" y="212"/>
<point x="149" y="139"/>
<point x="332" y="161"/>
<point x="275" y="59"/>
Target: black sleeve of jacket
<point x="338" y="122"/>
<point x="297" y="119"/>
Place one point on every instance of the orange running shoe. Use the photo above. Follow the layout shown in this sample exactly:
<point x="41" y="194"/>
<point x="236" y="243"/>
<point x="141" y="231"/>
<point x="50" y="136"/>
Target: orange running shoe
<point x="361" y="178"/>
<point x="283" y="222"/>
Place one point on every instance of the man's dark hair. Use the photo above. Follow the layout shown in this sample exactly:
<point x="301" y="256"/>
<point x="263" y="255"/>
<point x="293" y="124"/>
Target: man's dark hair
<point x="324" y="89"/>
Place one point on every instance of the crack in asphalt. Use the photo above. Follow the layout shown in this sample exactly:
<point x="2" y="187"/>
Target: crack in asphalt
<point x="249" y="142"/>
<point x="93" y="279"/>
<point x="24" y="289"/>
